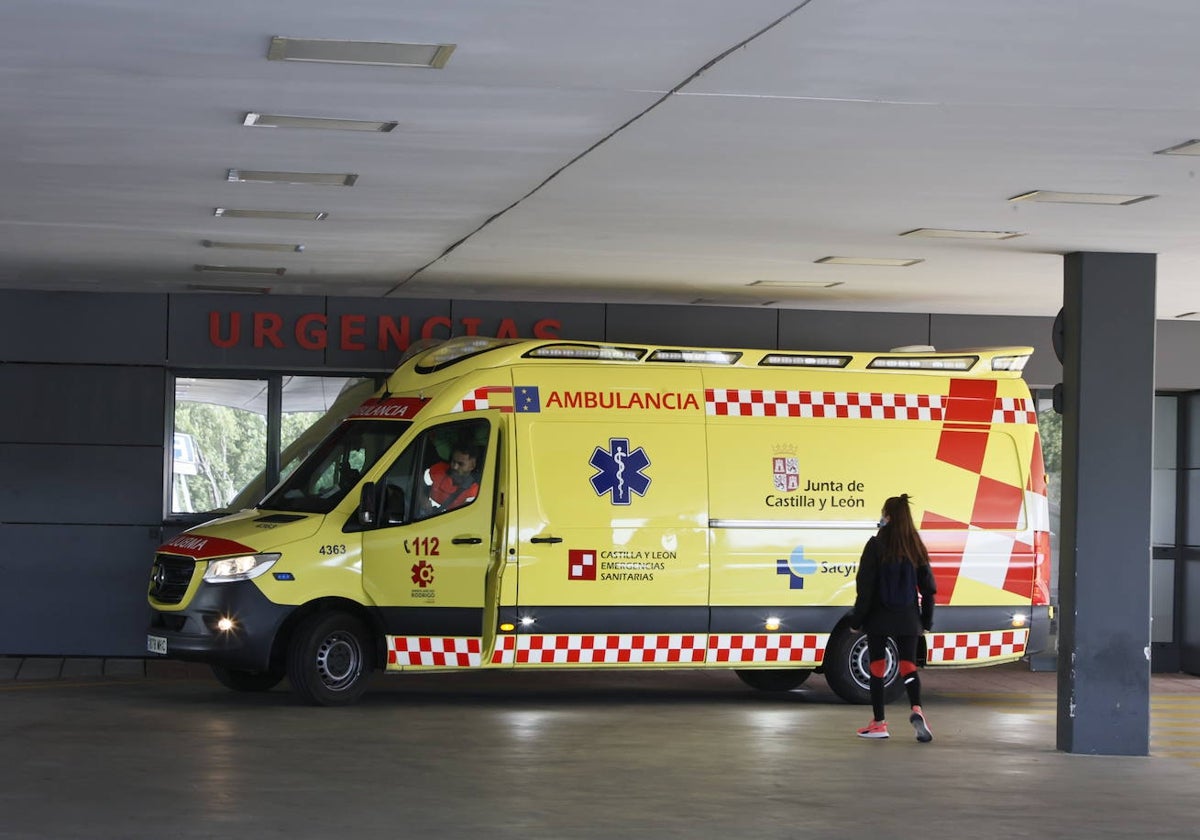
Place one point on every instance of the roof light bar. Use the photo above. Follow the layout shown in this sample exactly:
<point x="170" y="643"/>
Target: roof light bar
<point x="707" y="357"/>
<point x="805" y="360"/>
<point x="588" y="351"/>
<point x="1015" y="363"/>
<point x="923" y="362"/>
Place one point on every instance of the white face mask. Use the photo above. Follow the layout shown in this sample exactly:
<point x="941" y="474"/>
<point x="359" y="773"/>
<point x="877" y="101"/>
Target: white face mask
<point x="883" y="520"/>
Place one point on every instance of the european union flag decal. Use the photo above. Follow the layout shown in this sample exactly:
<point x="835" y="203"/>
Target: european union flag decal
<point x="526" y="399"/>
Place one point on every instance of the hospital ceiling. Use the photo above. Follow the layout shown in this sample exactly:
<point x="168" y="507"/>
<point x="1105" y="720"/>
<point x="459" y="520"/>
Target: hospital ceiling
<point x="657" y="151"/>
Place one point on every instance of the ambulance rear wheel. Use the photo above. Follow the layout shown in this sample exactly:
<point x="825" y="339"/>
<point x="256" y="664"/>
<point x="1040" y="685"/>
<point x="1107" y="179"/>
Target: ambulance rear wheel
<point x="239" y="680"/>
<point x="773" y="679"/>
<point x="848" y="668"/>
<point x="328" y="660"/>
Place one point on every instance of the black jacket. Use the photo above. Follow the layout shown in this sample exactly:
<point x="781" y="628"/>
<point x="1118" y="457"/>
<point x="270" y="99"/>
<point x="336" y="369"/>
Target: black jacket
<point x="869" y="612"/>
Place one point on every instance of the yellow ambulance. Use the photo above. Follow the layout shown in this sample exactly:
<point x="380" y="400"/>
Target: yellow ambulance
<point x="563" y="504"/>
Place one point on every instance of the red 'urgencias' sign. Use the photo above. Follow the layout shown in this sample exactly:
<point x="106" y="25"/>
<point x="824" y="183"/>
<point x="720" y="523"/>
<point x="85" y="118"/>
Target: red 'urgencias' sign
<point x="316" y="331"/>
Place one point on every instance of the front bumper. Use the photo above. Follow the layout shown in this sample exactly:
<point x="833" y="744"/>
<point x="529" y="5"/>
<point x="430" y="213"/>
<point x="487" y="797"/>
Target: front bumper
<point x="192" y="634"/>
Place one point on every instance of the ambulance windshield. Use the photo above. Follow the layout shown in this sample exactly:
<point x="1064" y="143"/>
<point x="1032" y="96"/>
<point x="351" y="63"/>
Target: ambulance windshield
<point x="334" y="468"/>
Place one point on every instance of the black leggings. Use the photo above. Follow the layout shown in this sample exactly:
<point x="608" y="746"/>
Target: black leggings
<point x="906" y="648"/>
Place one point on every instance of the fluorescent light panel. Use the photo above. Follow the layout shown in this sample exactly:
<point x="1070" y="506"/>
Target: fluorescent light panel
<point x="255" y="246"/>
<point x="1191" y="147"/>
<point x="327" y="179"/>
<point x="281" y="121"/>
<point x="732" y="302"/>
<point x="795" y="284"/>
<point x="242" y="269"/>
<point x="293" y="215"/>
<point x="1052" y="197"/>
<point x="244" y="290"/>
<point x="946" y="233"/>
<point x="359" y="52"/>
<point x="895" y="261"/>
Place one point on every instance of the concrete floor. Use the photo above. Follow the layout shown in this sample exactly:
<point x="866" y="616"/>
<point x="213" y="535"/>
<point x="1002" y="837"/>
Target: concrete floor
<point x="165" y="752"/>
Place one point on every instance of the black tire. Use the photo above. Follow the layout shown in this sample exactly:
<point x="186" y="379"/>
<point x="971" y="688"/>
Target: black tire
<point x="329" y="659"/>
<point x="246" y="680"/>
<point x="847" y="668"/>
<point x="773" y="679"/>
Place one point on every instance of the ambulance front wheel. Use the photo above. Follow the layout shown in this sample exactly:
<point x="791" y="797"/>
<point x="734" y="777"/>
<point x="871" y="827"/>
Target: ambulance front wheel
<point x="773" y="679"/>
<point x="328" y="660"/>
<point x="847" y="668"/>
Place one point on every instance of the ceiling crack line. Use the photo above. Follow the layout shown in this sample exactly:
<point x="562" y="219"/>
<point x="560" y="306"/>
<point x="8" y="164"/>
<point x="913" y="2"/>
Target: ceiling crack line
<point x="581" y="155"/>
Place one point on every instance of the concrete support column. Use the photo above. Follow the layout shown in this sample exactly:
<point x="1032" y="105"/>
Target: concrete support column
<point x="1104" y="578"/>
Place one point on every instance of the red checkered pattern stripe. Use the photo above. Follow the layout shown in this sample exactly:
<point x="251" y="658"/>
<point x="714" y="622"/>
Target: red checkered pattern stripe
<point x="610" y="649"/>
<point x="741" y="402"/>
<point x="506" y="650"/>
<point x="434" y="651"/>
<point x="480" y="399"/>
<point x="951" y="648"/>
<point x="1014" y="410"/>
<point x="767" y="647"/>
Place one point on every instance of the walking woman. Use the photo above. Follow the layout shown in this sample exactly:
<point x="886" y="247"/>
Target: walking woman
<point x="895" y="598"/>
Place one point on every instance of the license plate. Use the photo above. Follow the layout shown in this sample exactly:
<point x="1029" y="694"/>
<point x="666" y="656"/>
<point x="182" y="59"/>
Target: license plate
<point x="156" y="644"/>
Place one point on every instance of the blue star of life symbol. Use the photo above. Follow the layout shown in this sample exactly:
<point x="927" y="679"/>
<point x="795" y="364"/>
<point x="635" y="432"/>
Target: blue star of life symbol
<point x="620" y="471"/>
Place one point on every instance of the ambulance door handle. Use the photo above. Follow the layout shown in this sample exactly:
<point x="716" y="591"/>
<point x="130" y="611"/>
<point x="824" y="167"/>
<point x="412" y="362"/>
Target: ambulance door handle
<point x="467" y="540"/>
<point x="546" y="539"/>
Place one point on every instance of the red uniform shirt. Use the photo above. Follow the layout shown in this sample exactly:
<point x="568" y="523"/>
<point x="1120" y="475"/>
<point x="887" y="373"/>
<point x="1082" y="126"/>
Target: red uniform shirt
<point x="445" y="492"/>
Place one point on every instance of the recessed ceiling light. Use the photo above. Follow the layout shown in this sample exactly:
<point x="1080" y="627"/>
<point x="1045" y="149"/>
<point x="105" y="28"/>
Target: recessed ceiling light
<point x="732" y="302"/>
<point x="796" y="284"/>
<point x="280" y="121"/>
<point x="329" y="179"/>
<point x="255" y="246"/>
<point x="244" y="290"/>
<point x="242" y="269"/>
<point x="359" y="52"/>
<point x="867" y="261"/>
<point x="945" y="233"/>
<point x="297" y="215"/>
<point x="1191" y="147"/>
<point x="1051" y="197"/>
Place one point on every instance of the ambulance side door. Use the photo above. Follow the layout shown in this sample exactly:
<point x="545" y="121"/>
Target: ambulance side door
<point x="426" y="567"/>
<point x="613" y="511"/>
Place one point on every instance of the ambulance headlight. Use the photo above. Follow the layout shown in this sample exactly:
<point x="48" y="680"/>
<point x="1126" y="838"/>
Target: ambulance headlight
<point x="245" y="567"/>
<point x="1019" y="619"/>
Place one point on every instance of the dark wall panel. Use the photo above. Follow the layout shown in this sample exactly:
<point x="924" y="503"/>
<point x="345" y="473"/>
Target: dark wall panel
<point x="702" y="326"/>
<point x="583" y="321"/>
<point x="83" y="404"/>
<point x="51" y="483"/>
<point x="78" y="327"/>
<point x="75" y="590"/>
<point x="1043" y="369"/>
<point x="1176" y="355"/>
<point x="809" y="330"/>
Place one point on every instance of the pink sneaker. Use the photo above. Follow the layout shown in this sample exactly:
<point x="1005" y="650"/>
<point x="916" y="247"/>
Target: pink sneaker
<point x="917" y="719"/>
<point x="874" y="729"/>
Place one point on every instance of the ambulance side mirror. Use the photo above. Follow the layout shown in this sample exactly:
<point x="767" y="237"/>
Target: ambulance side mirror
<point x="368" y="505"/>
